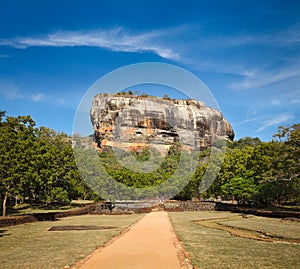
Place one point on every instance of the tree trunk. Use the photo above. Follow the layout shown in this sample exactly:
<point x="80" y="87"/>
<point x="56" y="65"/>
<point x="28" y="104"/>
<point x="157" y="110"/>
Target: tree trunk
<point x="4" y="205"/>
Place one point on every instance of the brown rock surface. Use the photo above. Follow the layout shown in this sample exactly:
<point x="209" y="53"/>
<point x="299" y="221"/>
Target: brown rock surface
<point x="132" y="122"/>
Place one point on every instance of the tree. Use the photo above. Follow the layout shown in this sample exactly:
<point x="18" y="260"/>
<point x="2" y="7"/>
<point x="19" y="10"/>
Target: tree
<point x="280" y="179"/>
<point x="268" y="171"/>
<point x="37" y="164"/>
<point x="246" y="142"/>
<point x="240" y="189"/>
<point x="57" y="176"/>
<point x="236" y="179"/>
<point x="16" y="138"/>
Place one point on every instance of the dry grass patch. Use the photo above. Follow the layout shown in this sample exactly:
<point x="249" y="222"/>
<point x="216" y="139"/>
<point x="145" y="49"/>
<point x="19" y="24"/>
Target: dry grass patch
<point x="31" y="245"/>
<point x="280" y="228"/>
<point x="213" y="248"/>
<point x="250" y="228"/>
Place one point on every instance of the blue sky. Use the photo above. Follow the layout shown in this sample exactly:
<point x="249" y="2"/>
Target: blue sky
<point x="246" y="52"/>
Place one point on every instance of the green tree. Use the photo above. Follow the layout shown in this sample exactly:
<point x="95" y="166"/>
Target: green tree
<point x="37" y="164"/>
<point x="246" y="142"/>
<point x="16" y="138"/>
<point x="280" y="178"/>
<point x="240" y="189"/>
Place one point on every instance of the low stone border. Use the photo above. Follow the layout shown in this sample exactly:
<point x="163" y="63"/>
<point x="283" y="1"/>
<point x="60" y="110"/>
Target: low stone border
<point x="136" y="208"/>
<point x="16" y="220"/>
<point x="258" y="212"/>
<point x="119" y="208"/>
<point x="51" y="216"/>
<point x="76" y="212"/>
<point x="173" y="206"/>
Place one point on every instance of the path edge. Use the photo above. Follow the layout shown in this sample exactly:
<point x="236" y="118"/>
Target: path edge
<point x="182" y="255"/>
<point x="82" y="261"/>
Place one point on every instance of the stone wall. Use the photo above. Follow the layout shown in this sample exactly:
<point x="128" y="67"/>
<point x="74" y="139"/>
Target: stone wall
<point x="51" y="216"/>
<point x="16" y="220"/>
<point x="128" y="207"/>
<point x="258" y="212"/>
<point x="188" y="206"/>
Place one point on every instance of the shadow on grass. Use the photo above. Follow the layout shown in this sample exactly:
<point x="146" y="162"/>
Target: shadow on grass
<point x="3" y="233"/>
<point x="13" y="211"/>
<point x="34" y="208"/>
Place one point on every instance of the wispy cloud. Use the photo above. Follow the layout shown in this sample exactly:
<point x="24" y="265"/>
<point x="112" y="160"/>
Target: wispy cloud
<point x="116" y="39"/>
<point x="276" y="102"/>
<point x="257" y="79"/>
<point x="39" y="97"/>
<point x="61" y="101"/>
<point x="276" y="120"/>
<point x="294" y="101"/>
<point x="10" y="91"/>
<point x="247" y="121"/>
<point x="286" y="100"/>
<point x="259" y="118"/>
<point x="184" y="43"/>
<point x="285" y="37"/>
<point x="261" y="70"/>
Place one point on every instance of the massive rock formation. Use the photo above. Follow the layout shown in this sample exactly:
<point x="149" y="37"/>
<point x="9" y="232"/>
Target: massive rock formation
<point x="134" y="122"/>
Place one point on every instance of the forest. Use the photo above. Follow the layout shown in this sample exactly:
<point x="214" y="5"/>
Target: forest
<point x="37" y="166"/>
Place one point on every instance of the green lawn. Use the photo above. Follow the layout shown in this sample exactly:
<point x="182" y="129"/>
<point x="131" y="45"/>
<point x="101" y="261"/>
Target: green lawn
<point x="31" y="245"/>
<point x="214" y="248"/>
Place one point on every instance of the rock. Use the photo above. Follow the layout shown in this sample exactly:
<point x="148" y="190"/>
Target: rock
<point x="133" y="122"/>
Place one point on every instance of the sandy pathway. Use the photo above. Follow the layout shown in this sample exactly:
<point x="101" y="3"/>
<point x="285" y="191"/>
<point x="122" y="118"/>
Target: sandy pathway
<point x="148" y="244"/>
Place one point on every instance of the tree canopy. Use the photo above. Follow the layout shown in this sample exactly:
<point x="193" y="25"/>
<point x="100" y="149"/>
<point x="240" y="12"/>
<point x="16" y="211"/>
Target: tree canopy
<point x="37" y="165"/>
<point x="262" y="173"/>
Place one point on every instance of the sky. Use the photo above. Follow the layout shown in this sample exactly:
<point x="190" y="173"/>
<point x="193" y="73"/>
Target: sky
<point x="246" y="52"/>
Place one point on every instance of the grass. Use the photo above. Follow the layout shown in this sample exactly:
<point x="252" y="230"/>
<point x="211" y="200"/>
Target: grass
<point x="215" y="248"/>
<point x="274" y="227"/>
<point x="25" y="209"/>
<point x="31" y="245"/>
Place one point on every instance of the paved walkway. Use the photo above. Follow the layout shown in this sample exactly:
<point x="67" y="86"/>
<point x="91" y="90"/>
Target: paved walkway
<point x="148" y="244"/>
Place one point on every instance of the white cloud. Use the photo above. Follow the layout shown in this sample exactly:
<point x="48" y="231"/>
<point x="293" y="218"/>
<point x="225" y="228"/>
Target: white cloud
<point x="10" y="91"/>
<point x="38" y="97"/>
<point x="247" y="121"/>
<point x="294" y="101"/>
<point x="286" y="99"/>
<point x="261" y="78"/>
<point x="258" y="118"/>
<point x="252" y="112"/>
<point x="276" y="102"/>
<point x="285" y="37"/>
<point x="254" y="72"/>
<point x="61" y="101"/>
<point x="276" y="120"/>
<point x="115" y="39"/>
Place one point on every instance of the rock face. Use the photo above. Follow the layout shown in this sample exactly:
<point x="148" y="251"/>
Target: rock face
<point x="134" y="122"/>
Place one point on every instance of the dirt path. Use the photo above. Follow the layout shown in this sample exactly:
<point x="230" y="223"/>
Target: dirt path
<point x="150" y="243"/>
